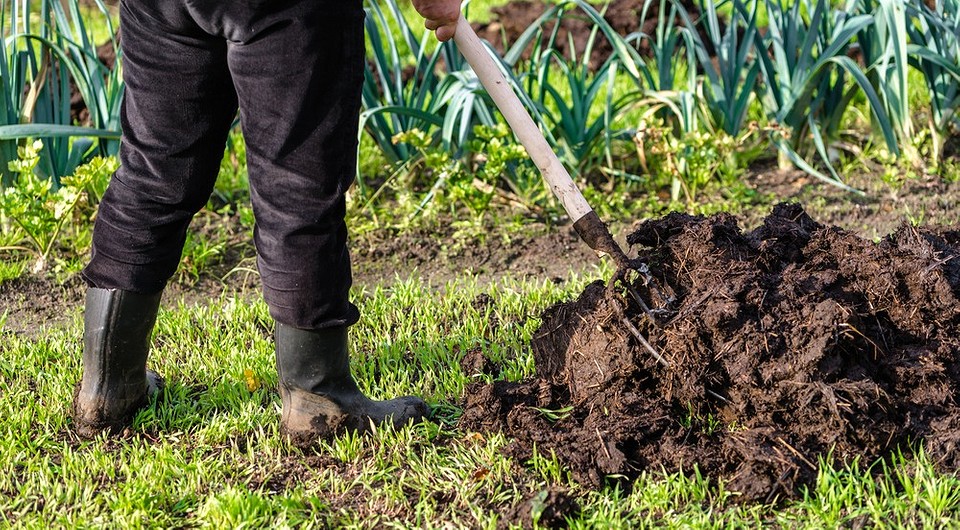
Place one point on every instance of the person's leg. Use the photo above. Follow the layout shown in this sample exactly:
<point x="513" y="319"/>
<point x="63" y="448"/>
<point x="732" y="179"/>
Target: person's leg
<point x="178" y="105"/>
<point x="298" y="81"/>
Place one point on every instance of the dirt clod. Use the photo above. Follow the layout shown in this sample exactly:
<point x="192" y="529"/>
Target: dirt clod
<point x="548" y="508"/>
<point x="790" y="343"/>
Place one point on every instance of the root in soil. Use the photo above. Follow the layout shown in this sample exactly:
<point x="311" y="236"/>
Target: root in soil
<point x="792" y="343"/>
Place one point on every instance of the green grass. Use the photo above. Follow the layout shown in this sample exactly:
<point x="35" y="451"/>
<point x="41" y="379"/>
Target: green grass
<point x="11" y="268"/>
<point x="208" y="452"/>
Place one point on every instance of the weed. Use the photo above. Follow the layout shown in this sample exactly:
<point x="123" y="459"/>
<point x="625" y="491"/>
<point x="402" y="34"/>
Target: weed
<point x="950" y="171"/>
<point x="690" y="161"/>
<point x="705" y="424"/>
<point x="555" y="415"/>
<point x="497" y="169"/>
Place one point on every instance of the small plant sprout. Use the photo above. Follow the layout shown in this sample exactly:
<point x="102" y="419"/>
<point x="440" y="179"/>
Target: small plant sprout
<point x="555" y="415"/>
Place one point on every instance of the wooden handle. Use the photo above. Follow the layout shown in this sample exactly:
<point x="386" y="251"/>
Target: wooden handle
<point x="520" y="121"/>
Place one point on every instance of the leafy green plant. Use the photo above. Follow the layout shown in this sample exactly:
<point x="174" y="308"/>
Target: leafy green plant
<point x="577" y="102"/>
<point x="39" y="213"/>
<point x="47" y="46"/>
<point x="672" y="86"/>
<point x="580" y="103"/>
<point x="883" y="46"/>
<point x="10" y="269"/>
<point x="934" y="50"/>
<point x="395" y="101"/>
<point x="100" y="87"/>
<point x="582" y="136"/>
<point x="672" y="47"/>
<point x="437" y="162"/>
<point x="804" y="64"/>
<point x="501" y="165"/>
<point x="498" y="166"/>
<point x="732" y="79"/>
<point x="399" y="96"/>
<point x="200" y="252"/>
<point x="689" y="160"/>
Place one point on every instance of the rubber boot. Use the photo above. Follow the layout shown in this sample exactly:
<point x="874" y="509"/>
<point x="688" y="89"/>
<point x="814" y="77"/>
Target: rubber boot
<point x="320" y="398"/>
<point x="116" y="340"/>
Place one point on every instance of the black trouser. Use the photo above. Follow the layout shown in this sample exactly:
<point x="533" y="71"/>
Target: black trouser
<point x="294" y="68"/>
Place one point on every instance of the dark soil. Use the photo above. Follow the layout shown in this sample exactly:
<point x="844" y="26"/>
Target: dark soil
<point x="440" y="253"/>
<point x="788" y="343"/>
<point x="925" y="199"/>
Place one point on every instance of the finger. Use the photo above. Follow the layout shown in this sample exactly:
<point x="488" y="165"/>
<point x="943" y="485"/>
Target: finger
<point x="446" y="32"/>
<point x="432" y="25"/>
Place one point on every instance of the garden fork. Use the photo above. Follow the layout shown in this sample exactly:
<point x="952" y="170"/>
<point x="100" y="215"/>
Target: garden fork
<point x="586" y="222"/>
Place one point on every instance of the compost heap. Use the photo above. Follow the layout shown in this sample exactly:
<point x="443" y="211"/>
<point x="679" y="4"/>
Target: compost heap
<point x="791" y="343"/>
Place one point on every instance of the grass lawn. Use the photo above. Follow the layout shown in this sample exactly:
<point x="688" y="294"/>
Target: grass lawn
<point x="208" y="452"/>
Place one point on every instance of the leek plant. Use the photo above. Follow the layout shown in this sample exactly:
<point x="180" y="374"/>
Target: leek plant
<point x="883" y="46"/>
<point x="803" y="65"/>
<point x="934" y="50"/>
<point x="666" y="45"/>
<point x="46" y="45"/>
<point x="577" y="104"/>
<point x="675" y="126"/>
<point x="433" y="94"/>
<point x="395" y="101"/>
<point x="576" y="101"/>
<point x="732" y="79"/>
<point x="436" y="101"/>
<point x="628" y="57"/>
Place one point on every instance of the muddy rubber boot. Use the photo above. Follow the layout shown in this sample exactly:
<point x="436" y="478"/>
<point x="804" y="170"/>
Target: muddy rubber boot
<point x="320" y="397"/>
<point x="116" y="341"/>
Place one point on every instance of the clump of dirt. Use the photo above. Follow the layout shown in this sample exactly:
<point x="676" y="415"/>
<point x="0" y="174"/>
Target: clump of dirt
<point x="790" y="343"/>
<point x="547" y="508"/>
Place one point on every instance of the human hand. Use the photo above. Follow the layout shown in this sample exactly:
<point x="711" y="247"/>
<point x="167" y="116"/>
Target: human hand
<point x="440" y="16"/>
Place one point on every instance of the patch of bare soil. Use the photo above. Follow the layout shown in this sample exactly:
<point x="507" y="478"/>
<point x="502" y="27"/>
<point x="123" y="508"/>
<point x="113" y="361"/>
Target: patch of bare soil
<point x="925" y="199"/>
<point x="31" y="303"/>
<point x="789" y="343"/>
<point x="440" y="253"/>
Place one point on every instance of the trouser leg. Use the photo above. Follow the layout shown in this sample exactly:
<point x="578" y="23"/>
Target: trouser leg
<point x="179" y="103"/>
<point x="298" y="80"/>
